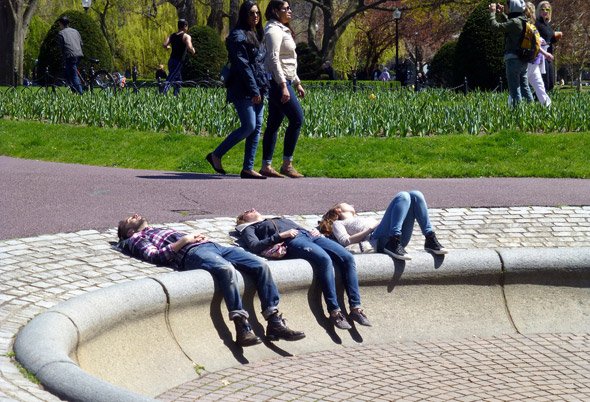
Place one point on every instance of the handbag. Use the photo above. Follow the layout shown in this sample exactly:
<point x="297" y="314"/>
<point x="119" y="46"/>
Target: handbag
<point x="276" y="251"/>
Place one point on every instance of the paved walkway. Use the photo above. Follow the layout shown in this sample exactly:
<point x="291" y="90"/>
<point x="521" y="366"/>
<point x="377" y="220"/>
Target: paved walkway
<point x="39" y="272"/>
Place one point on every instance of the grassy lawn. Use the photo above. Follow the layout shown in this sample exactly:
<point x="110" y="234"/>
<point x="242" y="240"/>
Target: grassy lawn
<point x="504" y="154"/>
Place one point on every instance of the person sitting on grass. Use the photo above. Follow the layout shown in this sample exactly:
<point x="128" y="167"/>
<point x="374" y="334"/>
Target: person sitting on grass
<point x="194" y="251"/>
<point x="258" y="234"/>
<point x="389" y="236"/>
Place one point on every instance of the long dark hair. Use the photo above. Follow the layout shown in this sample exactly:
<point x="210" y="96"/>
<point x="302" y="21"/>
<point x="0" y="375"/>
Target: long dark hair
<point x="242" y="23"/>
<point x="272" y="12"/>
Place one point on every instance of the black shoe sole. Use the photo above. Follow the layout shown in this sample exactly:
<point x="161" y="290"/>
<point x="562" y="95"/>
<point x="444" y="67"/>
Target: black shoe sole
<point x="437" y="252"/>
<point x="251" y="343"/>
<point x="249" y="176"/>
<point x="273" y="338"/>
<point x="404" y="257"/>
<point x="209" y="159"/>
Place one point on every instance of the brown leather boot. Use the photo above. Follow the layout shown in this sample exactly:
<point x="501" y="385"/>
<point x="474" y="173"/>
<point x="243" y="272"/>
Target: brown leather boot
<point x="277" y="329"/>
<point x="244" y="334"/>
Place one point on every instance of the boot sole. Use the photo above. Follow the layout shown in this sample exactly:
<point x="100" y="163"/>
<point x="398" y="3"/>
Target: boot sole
<point x="437" y="252"/>
<point x="274" y="338"/>
<point x="397" y="256"/>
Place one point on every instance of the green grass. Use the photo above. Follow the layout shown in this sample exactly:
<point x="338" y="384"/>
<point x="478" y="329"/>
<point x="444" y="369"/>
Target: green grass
<point x="504" y="154"/>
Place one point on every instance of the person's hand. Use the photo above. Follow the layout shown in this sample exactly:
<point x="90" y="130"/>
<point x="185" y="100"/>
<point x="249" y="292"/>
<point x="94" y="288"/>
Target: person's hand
<point x="315" y="232"/>
<point x="492" y="8"/>
<point x="194" y="238"/>
<point x="289" y="234"/>
<point x="257" y="99"/>
<point x="549" y="57"/>
<point x="558" y="35"/>
<point x="300" y="91"/>
<point x="286" y="96"/>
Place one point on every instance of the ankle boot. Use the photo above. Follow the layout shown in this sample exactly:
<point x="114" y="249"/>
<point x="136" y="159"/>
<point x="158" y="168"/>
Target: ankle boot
<point x="277" y="329"/>
<point x="244" y="334"/>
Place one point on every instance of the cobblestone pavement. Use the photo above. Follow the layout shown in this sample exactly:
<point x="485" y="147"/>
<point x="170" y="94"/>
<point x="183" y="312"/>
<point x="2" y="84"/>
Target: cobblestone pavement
<point x="541" y="367"/>
<point x="37" y="273"/>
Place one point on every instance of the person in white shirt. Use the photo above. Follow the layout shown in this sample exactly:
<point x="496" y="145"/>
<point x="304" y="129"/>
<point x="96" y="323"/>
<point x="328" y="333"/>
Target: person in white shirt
<point x="281" y="63"/>
<point x="389" y="236"/>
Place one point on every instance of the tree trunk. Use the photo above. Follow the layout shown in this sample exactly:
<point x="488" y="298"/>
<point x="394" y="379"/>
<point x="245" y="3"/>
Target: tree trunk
<point x="215" y="19"/>
<point x="185" y="9"/>
<point x="234" y="9"/>
<point x="15" y="16"/>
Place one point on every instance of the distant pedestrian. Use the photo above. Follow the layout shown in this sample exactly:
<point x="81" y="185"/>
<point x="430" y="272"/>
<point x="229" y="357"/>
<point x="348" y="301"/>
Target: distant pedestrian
<point x="246" y="89"/>
<point x="70" y="43"/>
<point x="281" y="62"/>
<point x="385" y="76"/>
<point x="181" y="43"/>
<point x="537" y="67"/>
<point x="516" y="69"/>
<point x="543" y="24"/>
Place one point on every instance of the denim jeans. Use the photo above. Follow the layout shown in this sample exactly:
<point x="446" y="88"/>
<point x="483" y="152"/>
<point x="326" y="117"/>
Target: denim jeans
<point x="250" y="116"/>
<point x="276" y="113"/>
<point x="71" y="72"/>
<point x="321" y="252"/>
<point x="174" y="76"/>
<point x="518" y="84"/>
<point x="398" y="220"/>
<point x="218" y="260"/>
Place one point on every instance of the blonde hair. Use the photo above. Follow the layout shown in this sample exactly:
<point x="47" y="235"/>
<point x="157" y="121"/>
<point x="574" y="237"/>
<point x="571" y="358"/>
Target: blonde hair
<point x="529" y="11"/>
<point x="543" y="4"/>
<point x="327" y="222"/>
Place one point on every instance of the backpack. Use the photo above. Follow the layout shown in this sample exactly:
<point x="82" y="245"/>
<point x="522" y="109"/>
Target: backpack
<point x="530" y="42"/>
<point x="225" y="74"/>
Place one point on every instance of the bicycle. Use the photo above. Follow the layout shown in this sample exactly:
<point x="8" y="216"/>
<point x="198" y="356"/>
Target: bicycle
<point x="101" y="78"/>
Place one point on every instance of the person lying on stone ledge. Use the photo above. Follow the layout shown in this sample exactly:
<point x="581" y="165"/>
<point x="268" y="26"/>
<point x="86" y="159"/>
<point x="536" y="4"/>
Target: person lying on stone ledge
<point x="184" y="251"/>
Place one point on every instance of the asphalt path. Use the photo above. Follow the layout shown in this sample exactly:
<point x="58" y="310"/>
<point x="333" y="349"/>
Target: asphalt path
<point x="46" y="198"/>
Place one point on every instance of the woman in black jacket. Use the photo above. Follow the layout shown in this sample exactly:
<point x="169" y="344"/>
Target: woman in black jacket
<point x="258" y="234"/>
<point x="543" y="25"/>
<point x="247" y="87"/>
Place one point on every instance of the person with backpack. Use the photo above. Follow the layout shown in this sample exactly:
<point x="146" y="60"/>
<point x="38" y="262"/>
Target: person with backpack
<point x="247" y="86"/>
<point x="513" y="25"/>
<point x="180" y="42"/>
<point x="536" y="68"/>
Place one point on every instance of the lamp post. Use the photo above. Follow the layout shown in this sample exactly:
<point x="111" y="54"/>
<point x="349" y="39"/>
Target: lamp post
<point x="86" y="4"/>
<point x="397" y="14"/>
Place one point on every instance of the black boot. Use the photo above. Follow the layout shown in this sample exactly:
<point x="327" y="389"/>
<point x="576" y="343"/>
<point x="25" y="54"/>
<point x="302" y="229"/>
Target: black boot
<point x="394" y="249"/>
<point x="244" y="334"/>
<point x="277" y="329"/>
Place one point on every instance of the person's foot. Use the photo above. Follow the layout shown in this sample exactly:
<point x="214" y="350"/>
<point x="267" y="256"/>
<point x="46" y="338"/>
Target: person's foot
<point x="338" y="320"/>
<point x="244" y="334"/>
<point x="394" y="249"/>
<point x="215" y="163"/>
<point x="290" y="171"/>
<point x="268" y="171"/>
<point x="432" y="245"/>
<point x="277" y="329"/>
<point x="358" y="315"/>
<point x="251" y="174"/>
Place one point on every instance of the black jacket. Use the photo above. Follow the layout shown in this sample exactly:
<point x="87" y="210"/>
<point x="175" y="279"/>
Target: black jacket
<point x="247" y="77"/>
<point x="260" y="235"/>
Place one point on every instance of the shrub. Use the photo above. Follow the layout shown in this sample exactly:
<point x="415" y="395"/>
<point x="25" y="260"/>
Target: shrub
<point x="309" y="62"/>
<point x="209" y="58"/>
<point x="480" y="51"/>
<point x="442" y="66"/>
<point x="94" y="45"/>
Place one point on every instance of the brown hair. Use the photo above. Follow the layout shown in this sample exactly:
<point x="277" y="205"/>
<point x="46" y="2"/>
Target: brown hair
<point x="122" y="230"/>
<point x="328" y="219"/>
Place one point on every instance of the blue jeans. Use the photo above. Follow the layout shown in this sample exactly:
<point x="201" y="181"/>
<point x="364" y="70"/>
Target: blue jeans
<point x="398" y="220"/>
<point x="218" y="260"/>
<point x="71" y="72"/>
<point x="321" y="252"/>
<point x="276" y="113"/>
<point x="250" y="116"/>
<point x="174" y="76"/>
<point x="518" y="83"/>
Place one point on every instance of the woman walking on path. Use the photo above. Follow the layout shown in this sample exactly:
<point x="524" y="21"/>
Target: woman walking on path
<point x="247" y="87"/>
<point x="281" y="62"/>
<point x="389" y="236"/>
<point x="536" y="68"/>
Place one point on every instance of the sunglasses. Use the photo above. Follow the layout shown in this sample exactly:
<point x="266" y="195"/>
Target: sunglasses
<point x="285" y="9"/>
<point x="546" y="9"/>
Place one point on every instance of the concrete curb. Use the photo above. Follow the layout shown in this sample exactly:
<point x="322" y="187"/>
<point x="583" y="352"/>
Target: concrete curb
<point x="47" y="346"/>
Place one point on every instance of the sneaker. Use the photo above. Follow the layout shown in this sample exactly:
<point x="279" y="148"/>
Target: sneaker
<point x="358" y="315"/>
<point x="432" y="245"/>
<point x="244" y="334"/>
<point x="394" y="249"/>
<point x="338" y="320"/>
<point x="290" y="171"/>
<point x="277" y="329"/>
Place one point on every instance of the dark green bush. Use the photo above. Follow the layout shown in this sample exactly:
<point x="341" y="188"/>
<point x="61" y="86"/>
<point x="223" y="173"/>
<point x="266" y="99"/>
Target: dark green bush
<point x="309" y="62"/>
<point x="442" y="67"/>
<point x="480" y="51"/>
<point x="94" y="45"/>
<point x="209" y="58"/>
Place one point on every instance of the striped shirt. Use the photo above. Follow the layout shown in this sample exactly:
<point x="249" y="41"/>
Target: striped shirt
<point x="155" y="245"/>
